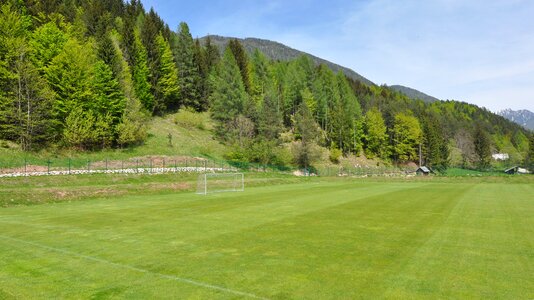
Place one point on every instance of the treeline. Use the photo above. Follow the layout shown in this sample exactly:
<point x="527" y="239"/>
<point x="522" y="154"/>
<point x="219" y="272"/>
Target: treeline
<point x="89" y="74"/>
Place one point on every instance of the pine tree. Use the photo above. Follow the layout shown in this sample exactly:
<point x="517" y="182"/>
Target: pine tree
<point x="241" y="59"/>
<point x="203" y="67"/>
<point x="109" y="99"/>
<point x="529" y="158"/>
<point x="212" y="54"/>
<point x="47" y="42"/>
<point x="305" y="151"/>
<point x="327" y="96"/>
<point x="435" y="143"/>
<point x="347" y="121"/>
<point x="167" y="92"/>
<point x="270" y="117"/>
<point x="79" y="129"/>
<point x="141" y="75"/>
<point x="70" y="76"/>
<point x="228" y="93"/>
<point x="188" y="72"/>
<point x="482" y="144"/>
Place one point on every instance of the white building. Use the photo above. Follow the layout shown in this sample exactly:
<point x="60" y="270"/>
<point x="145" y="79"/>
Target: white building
<point x="500" y="156"/>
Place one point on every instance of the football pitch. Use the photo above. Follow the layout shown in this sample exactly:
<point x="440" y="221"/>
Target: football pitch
<point x="337" y="239"/>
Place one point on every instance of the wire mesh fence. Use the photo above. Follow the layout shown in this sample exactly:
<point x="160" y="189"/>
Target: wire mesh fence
<point x="165" y="164"/>
<point x="142" y="165"/>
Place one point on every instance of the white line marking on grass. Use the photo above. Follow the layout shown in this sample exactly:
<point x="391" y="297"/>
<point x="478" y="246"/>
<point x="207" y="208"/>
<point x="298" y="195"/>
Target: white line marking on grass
<point x="170" y="277"/>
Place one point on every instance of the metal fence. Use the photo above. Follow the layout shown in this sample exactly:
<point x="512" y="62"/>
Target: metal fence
<point x="145" y="165"/>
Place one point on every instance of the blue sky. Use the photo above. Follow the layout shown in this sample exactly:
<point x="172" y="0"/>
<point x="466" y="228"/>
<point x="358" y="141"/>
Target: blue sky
<point x="476" y="51"/>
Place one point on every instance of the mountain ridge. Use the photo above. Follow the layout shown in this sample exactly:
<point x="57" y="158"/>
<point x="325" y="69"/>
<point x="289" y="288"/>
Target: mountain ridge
<point x="413" y="93"/>
<point x="278" y="51"/>
<point x="523" y="117"/>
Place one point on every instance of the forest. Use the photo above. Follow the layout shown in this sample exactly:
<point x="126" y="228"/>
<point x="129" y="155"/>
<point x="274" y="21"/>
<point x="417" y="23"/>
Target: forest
<point x="89" y="75"/>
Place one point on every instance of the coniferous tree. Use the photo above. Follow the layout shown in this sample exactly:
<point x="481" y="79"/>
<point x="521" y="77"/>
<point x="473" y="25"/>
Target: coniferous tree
<point x="188" y="72"/>
<point x="435" y="143"/>
<point x="141" y="75"/>
<point x="70" y="76"/>
<point x="529" y="158"/>
<point x="203" y="68"/>
<point x="482" y="143"/>
<point x="305" y="151"/>
<point x="109" y="99"/>
<point x="47" y="42"/>
<point x="212" y="54"/>
<point x="228" y="95"/>
<point x="241" y="59"/>
<point x="167" y="92"/>
<point x="270" y="117"/>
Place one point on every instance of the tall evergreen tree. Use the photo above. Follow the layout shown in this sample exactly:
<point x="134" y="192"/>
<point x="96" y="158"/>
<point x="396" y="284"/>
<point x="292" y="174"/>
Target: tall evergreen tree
<point x="70" y="76"/>
<point x="305" y="151"/>
<point x="482" y="144"/>
<point x="141" y="75"/>
<point x="212" y="54"/>
<point x="109" y="99"/>
<point x="167" y="92"/>
<point x="228" y="95"/>
<point x="188" y="71"/>
<point x="241" y="58"/>
<point x="529" y="158"/>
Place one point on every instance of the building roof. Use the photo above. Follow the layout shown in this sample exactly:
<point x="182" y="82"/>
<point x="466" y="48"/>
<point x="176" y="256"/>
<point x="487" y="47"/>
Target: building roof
<point x="424" y="169"/>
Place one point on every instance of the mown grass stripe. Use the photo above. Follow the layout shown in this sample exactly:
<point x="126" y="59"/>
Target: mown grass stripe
<point x="136" y="269"/>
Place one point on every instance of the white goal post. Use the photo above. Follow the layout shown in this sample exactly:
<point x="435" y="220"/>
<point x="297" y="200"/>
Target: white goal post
<point x="220" y="182"/>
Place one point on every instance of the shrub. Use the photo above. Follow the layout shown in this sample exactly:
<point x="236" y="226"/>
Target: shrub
<point x="188" y="118"/>
<point x="335" y="154"/>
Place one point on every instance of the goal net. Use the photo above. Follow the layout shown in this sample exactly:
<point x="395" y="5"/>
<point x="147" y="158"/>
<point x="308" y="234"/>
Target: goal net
<point x="220" y="182"/>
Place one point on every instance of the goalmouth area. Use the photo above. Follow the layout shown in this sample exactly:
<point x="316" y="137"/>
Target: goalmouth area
<point x="281" y="238"/>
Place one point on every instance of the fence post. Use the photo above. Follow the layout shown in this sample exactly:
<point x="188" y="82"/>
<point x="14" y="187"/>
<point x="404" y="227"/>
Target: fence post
<point x="69" y="165"/>
<point x="137" y="165"/>
<point x="25" y="166"/>
<point x="88" y="166"/>
<point x="122" y="165"/>
<point x="106" y="165"/>
<point x="48" y="162"/>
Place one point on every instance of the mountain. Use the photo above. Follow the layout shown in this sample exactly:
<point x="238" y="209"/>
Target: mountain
<point x="522" y="117"/>
<point x="413" y="93"/>
<point x="278" y="51"/>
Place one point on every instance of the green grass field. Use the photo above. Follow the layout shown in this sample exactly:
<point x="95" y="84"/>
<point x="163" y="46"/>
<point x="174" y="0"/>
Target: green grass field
<point x="314" y="239"/>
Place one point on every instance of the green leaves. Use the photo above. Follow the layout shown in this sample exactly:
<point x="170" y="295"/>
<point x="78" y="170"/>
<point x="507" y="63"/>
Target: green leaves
<point x="407" y="135"/>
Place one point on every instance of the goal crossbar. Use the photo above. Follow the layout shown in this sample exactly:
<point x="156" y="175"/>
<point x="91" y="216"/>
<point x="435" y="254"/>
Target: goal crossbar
<point x="220" y="182"/>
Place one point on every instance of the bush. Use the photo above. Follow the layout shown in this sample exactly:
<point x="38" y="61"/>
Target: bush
<point x="189" y="118"/>
<point x="335" y="154"/>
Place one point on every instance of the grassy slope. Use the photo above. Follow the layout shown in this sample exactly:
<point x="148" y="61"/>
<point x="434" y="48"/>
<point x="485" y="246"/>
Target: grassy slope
<point x="187" y="140"/>
<point x="322" y="239"/>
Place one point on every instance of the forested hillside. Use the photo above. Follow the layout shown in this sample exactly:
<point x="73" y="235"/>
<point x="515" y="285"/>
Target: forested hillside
<point x="89" y="74"/>
<point x="413" y="93"/>
<point x="278" y="51"/>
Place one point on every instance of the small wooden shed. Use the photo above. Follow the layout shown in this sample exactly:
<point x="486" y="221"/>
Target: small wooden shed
<point x="424" y="171"/>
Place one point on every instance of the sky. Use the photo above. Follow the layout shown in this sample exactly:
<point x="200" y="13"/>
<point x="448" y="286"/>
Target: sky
<point x="476" y="51"/>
